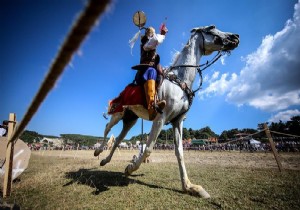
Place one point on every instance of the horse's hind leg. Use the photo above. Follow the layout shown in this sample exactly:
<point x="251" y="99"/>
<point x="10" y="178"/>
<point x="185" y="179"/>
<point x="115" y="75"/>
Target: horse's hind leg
<point x="115" y="118"/>
<point x="127" y="125"/>
<point x="187" y="186"/>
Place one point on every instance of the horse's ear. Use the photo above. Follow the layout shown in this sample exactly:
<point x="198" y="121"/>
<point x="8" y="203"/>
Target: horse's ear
<point x="195" y="29"/>
<point x="208" y="28"/>
<point x="211" y="27"/>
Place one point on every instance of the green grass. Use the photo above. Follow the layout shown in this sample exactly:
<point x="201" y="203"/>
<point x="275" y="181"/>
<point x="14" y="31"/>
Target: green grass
<point x="53" y="182"/>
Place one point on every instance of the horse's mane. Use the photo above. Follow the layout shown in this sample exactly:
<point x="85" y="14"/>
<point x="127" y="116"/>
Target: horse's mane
<point x="175" y="57"/>
<point x="177" y="54"/>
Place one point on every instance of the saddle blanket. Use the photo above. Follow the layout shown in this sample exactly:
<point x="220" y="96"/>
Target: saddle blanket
<point x="131" y="95"/>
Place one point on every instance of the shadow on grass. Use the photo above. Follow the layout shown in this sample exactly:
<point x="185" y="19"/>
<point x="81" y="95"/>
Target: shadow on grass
<point x="102" y="180"/>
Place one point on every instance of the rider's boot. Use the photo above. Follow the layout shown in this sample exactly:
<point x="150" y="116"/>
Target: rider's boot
<point x="149" y="87"/>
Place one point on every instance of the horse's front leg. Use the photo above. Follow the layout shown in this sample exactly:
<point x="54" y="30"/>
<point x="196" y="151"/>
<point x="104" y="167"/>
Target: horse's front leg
<point x="127" y="125"/>
<point x="115" y="118"/>
<point x="187" y="186"/>
<point x="155" y="130"/>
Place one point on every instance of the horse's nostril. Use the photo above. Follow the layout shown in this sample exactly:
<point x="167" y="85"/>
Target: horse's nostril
<point x="218" y="41"/>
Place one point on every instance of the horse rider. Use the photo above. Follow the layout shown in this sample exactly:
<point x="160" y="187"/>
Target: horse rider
<point x="149" y="68"/>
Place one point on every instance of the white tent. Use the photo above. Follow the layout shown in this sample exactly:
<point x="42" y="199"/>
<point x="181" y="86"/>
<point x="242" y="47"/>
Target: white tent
<point x="253" y="141"/>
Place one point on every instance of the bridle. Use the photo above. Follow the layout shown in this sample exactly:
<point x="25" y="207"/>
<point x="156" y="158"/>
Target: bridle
<point x="174" y="79"/>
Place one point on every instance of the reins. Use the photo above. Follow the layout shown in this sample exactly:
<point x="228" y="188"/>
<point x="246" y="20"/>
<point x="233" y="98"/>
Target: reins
<point x="199" y="70"/>
<point x="177" y="81"/>
<point x="191" y="93"/>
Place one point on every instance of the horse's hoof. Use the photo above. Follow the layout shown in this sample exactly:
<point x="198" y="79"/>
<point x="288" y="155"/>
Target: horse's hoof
<point x="103" y="163"/>
<point x="97" y="152"/>
<point x="196" y="190"/>
<point x="204" y="194"/>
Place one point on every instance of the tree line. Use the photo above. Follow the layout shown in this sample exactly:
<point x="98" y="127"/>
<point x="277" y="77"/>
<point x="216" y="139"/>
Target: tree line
<point x="290" y="127"/>
<point x="87" y="140"/>
<point x="166" y="136"/>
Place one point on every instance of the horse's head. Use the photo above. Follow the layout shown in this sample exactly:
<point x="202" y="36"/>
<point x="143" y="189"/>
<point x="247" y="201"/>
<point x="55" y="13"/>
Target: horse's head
<point x="216" y="40"/>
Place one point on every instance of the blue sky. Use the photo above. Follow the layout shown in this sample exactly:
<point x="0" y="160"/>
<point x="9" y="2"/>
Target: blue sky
<point x="258" y="82"/>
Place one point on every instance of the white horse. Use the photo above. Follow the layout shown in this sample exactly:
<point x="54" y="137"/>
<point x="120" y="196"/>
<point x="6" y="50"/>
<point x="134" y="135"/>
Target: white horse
<point x="176" y="91"/>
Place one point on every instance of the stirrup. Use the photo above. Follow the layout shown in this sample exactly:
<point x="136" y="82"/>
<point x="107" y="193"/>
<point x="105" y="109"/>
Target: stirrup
<point x="160" y="106"/>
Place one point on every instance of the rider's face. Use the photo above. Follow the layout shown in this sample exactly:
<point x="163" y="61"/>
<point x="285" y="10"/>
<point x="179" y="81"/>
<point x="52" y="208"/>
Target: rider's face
<point x="150" y="32"/>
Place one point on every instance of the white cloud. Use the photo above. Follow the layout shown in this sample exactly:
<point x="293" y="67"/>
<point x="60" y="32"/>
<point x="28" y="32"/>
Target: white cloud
<point x="284" y="116"/>
<point x="215" y="75"/>
<point x="270" y="78"/>
<point x="217" y="86"/>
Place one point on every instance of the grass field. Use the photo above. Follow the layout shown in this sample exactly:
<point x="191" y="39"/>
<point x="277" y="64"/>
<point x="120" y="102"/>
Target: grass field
<point x="74" y="180"/>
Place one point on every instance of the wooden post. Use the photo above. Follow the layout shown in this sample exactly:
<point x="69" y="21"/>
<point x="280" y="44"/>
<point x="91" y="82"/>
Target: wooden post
<point x="63" y="149"/>
<point x="76" y="151"/>
<point x="9" y="157"/>
<point x="277" y="158"/>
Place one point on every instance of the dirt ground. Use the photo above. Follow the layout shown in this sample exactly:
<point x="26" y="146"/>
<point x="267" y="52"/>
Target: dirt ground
<point x="289" y="160"/>
<point x="73" y="179"/>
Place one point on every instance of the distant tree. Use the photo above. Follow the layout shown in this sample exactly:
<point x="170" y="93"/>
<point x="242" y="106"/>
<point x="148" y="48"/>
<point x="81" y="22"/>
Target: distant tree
<point x="192" y="133"/>
<point x="230" y="134"/>
<point x="197" y="134"/>
<point x="279" y="127"/>
<point x="162" y="136"/>
<point x="293" y="126"/>
<point x="248" y="130"/>
<point x="140" y="137"/>
<point x="224" y="135"/>
<point x="170" y="136"/>
<point x="185" y="133"/>
<point x="30" y="136"/>
<point x="206" y="131"/>
<point x="85" y="140"/>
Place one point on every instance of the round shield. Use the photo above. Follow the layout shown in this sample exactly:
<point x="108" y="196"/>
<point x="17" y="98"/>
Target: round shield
<point x="139" y="18"/>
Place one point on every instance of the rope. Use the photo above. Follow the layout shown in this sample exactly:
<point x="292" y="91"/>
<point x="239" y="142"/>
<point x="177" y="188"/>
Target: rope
<point x="243" y="137"/>
<point x="284" y="134"/>
<point x="257" y="133"/>
<point x="80" y="29"/>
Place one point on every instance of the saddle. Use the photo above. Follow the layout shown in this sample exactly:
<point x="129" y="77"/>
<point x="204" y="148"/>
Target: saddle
<point x="134" y="95"/>
<point x="138" y="94"/>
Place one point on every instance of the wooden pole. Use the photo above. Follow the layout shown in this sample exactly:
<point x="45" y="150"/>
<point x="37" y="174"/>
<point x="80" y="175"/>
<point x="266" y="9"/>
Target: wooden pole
<point x="9" y="157"/>
<point x="277" y="158"/>
<point x="76" y="151"/>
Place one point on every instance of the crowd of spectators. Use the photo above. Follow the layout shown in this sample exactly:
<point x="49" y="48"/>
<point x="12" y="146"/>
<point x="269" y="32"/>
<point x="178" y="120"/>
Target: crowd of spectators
<point x="288" y="146"/>
<point x="281" y="146"/>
